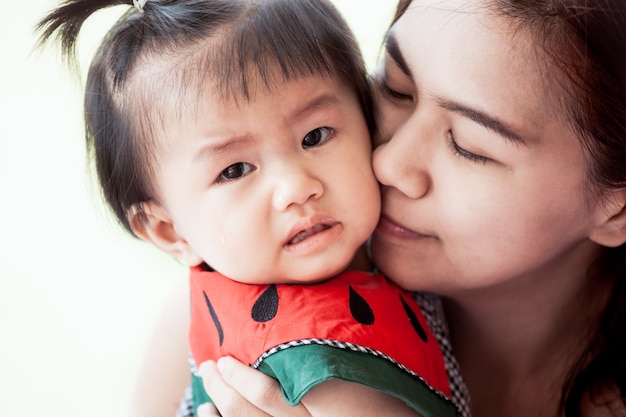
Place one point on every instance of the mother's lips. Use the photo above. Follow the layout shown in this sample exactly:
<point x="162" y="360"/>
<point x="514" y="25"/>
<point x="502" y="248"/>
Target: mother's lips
<point x="389" y="227"/>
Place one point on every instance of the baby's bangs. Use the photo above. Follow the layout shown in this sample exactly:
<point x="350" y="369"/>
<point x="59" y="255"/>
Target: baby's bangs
<point x="273" y="42"/>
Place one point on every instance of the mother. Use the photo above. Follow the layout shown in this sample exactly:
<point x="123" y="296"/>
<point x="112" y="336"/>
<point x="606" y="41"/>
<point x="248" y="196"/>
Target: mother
<point x="502" y="155"/>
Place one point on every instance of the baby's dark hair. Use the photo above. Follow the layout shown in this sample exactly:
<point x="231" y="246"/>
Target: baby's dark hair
<point x="239" y="45"/>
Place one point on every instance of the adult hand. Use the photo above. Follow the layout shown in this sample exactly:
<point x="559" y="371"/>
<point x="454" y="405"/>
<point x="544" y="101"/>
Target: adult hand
<point x="207" y="410"/>
<point x="240" y="391"/>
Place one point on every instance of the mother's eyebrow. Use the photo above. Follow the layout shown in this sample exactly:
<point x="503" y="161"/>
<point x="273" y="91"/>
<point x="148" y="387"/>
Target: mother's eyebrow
<point x="490" y="122"/>
<point x="393" y="49"/>
<point x="483" y="119"/>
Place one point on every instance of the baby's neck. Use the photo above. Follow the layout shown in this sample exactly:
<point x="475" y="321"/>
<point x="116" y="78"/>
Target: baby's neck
<point x="360" y="261"/>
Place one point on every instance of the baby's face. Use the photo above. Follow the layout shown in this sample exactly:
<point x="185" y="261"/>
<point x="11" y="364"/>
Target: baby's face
<point x="276" y="189"/>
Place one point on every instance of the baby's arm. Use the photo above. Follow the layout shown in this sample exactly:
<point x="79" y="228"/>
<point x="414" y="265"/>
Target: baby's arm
<point x="239" y="390"/>
<point x="164" y="372"/>
<point x="335" y="398"/>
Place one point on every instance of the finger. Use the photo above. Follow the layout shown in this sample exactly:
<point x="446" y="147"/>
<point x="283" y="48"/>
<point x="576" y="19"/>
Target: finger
<point x="258" y="389"/>
<point x="227" y="400"/>
<point x="207" y="410"/>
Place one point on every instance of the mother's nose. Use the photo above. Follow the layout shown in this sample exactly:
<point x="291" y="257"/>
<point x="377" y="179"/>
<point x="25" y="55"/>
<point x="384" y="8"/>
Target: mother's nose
<point x="296" y="187"/>
<point x="400" y="164"/>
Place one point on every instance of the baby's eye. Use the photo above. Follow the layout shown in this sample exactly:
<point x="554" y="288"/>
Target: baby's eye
<point x="235" y="171"/>
<point x="317" y="137"/>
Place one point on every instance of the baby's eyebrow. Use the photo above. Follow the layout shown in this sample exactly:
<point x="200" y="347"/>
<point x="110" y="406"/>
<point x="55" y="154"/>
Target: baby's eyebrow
<point x="393" y="49"/>
<point x="221" y="146"/>
<point x="325" y="100"/>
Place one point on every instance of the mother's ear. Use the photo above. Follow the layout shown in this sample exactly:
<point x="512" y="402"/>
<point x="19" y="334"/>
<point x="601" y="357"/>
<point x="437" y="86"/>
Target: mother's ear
<point x="151" y="222"/>
<point x="610" y="219"/>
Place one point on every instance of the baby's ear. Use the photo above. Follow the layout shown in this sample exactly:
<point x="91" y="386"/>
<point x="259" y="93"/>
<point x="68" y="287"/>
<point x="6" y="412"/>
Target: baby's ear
<point x="150" y="222"/>
<point x="610" y="220"/>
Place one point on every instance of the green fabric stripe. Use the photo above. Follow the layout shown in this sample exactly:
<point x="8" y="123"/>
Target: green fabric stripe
<point x="300" y="368"/>
<point x="199" y="394"/>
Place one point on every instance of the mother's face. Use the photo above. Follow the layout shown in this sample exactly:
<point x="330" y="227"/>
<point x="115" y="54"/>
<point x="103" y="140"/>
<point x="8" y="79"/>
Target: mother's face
<point x="482" y="181"/>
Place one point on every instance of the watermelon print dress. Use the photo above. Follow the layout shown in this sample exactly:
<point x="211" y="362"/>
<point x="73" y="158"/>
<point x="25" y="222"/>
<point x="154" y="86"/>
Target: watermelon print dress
<point x="357" y="327"/>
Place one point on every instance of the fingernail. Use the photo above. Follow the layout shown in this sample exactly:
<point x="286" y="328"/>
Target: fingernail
<point x="222" y="363"/>
<point x="205" y="367"/>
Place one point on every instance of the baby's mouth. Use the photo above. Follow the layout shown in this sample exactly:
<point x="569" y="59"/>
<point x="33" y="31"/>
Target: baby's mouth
<point x="307" y="233"/>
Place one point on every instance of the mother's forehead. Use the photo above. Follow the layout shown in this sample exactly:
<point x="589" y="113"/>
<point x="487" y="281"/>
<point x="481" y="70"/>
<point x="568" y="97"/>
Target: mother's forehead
<point x="459" y="55"/>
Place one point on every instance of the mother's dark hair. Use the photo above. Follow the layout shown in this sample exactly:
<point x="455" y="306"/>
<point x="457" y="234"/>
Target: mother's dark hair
<point x="586" y="42"/>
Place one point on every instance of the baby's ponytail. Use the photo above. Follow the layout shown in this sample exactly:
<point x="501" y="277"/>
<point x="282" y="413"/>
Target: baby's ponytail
<point x="161" y="54"/>
<point x="65" y="22"/>
<point x="112" y="126"/>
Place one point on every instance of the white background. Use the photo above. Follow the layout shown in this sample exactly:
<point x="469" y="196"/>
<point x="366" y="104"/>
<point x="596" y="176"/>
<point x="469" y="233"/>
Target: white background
<point x="78" y="297"/>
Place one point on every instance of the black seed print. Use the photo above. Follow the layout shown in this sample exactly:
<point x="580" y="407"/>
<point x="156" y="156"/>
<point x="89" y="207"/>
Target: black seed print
<point x="361" y="311"/>
<point x="266" y="306"/>
<point x="206" y="268"/>
<point x="414" y="321"/>
<point x="218" y="325"/>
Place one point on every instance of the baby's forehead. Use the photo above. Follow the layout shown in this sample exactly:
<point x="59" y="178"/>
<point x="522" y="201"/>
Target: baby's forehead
<point x="170" y="99"/>
<point x="181" y="82"/>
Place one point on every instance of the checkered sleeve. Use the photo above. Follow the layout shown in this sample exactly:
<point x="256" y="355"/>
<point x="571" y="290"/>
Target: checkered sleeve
<point x="186" y="405"/>
<point x="432" y="309"/>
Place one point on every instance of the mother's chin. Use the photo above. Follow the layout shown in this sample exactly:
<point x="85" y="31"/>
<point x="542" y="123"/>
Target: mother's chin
<point x="414" y="264"/>
<point x="394" y="258"/>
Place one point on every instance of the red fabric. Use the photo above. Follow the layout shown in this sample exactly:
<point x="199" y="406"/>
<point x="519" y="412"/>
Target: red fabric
<point x="311" y="311"/>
